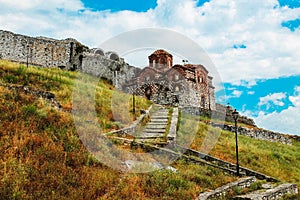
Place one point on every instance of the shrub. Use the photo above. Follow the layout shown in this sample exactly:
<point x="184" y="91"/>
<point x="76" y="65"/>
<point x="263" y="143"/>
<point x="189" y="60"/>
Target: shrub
<point x="21" y="70"/>
<point x="10" y="79"/>
<point x="29" y="110"/>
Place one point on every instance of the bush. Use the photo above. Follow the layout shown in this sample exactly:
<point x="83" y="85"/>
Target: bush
<point x="10" y="79"/>
<point x="21" y="70"/>
<point x="256" y="186"/>
<point x="29" y="110"/>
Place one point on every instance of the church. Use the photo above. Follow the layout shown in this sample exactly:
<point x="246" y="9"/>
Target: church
<point x="176" y="85"/>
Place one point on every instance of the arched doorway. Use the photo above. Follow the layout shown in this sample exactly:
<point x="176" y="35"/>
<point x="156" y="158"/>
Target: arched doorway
<point x="202" y="102"/>
<point x="148" y="92"/>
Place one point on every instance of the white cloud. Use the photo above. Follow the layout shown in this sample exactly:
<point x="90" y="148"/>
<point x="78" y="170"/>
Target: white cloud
<point x="251" y="93"/>
<point x="275" y="98"/>
<point x="285" y="121"/>
<point x="296" y="98"/>
<point x="236" y="93"/>
<point x="272" y="50"/>
<point x="24" y="5"/>
<point x="297" y="89"/>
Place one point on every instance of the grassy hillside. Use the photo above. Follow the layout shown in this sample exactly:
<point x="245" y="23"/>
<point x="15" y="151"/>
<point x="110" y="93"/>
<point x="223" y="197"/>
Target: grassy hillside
<point x="274" y="159"/>
<point x="42" y="157"/>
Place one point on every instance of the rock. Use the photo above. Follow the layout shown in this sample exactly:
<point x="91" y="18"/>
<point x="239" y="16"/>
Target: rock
<point x="49" y="95"/>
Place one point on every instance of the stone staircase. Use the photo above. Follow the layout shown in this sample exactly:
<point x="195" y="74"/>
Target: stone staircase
<point x="157" y="126"/>
<point x="157" y="129"/>
<point x="272" y="189"/>
<point x="270" y="192"/>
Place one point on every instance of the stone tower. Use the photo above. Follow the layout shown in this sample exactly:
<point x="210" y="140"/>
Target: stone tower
<point x="161" y="60"/>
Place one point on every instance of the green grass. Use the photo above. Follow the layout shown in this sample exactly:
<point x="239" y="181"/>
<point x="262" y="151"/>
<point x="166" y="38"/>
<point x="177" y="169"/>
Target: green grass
<point x="187" y="183"/>
<point x="61" y="83"/>
<point x="42" y="156"/>
<point x="274" y="159"/>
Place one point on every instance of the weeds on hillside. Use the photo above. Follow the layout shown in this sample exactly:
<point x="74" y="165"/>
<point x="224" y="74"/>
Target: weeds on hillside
<point x="271" y="158"/>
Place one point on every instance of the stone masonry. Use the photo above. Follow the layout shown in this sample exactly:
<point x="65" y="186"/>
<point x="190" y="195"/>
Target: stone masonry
<point x="176" y="85"/>
<point x="41" y="51"/>
<point x="66" y="54"/>
<point x="194" y="88"/>
<point x="221" y="192"/>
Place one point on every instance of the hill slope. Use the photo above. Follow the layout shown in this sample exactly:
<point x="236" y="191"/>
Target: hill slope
<point x="42" y="156"/>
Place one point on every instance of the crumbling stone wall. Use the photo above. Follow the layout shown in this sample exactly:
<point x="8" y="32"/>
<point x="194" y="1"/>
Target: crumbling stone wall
<point x="220" y="112"/>
<point x="102" y="66"/>
<point x="41" y="51"/>
<point x="260" y="134"/>
<point x="221" y="192"/>
<point x="254" y="132"/>
<point x="72" y="55"/>
<point x="66" y="54"/>
<point x="272" y="194"/>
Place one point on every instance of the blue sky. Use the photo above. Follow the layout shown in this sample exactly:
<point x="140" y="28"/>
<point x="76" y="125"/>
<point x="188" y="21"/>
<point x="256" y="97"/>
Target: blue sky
<point x="118" y="5"/>
<point x="267" y="97"/>
<point x="254" y="45"/>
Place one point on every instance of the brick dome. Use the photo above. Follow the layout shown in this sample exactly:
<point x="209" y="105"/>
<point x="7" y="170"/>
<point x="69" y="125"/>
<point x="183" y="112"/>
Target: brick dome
<point x="161" y="52"/>
<point x="161" y="60"/>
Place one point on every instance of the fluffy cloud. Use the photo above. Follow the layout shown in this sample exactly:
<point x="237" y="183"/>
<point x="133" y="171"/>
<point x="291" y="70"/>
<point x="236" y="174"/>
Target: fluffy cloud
<point x="285" y="121"/>
<point x="236" y="93"/>
<point x="270" y="49"/>
<point x="296" y="98"/>
<point x="276" y="99"/>
<point x="15" y="5"/>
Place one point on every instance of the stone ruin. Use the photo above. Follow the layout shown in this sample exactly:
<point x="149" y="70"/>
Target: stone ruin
<point x="66" y="54"/>
<point x="194" y="88"/>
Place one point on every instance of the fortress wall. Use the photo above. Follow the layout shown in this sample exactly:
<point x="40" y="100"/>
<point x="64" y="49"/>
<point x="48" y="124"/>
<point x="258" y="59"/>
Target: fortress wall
<point x="66" y="54"/>
<point x="115" y="70"/>
<point x="40" y="51"/>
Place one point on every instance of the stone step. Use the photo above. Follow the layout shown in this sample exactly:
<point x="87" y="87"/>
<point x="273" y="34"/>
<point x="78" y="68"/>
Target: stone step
<point x="156" y="126"/>
<point x="154" y="131"/>
<point x="225" y="189"/>
<point x="275" y="193"/>
<point x="159" y="117"/>
<point x="150" y="136"/>
<point x="160" y="113"/>
<point x="159" y="120"/>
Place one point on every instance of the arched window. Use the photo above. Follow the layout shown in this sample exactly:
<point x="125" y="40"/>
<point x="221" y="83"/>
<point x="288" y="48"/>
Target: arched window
<point x="153" y="63"/>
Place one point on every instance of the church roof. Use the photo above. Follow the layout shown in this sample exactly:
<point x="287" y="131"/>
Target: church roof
<point x="161" y="52"/>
